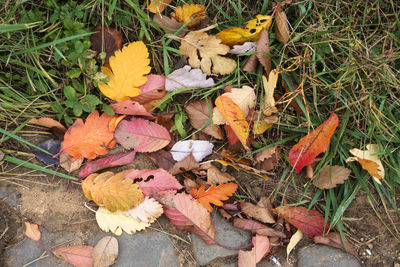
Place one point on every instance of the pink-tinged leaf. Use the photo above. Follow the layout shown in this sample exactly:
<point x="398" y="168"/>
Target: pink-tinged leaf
<point x="310" y="222"/>
<point x="257" y="227"/>
<point x="142" y="135"/>
<point x="261" y="247"/>
<point x="32" y="231"/>
<point x="187" y="214"/>
<point x="119" y="159"/>
<point x="78" y="256"/>
<point x="129" y="107"/>
<point x="150" y="181"/>
<point x="153" y="89"/>
<point x="162" y="159"/>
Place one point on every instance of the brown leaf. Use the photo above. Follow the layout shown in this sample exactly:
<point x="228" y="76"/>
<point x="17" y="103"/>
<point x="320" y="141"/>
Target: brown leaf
<point x="257" y="227"/>
<point x="281" y="26"/>
<point x="251" y="64"/>
<point x="68" y="164"/>
<point x="331" y="177"/>
<point x="105" y="252"/>
<point x="259" y="213"/>
<point x="32" y="231"/>
<point x="109" y="41"/>
<point x="214" y="176"/>
<point x="225" y="214"/>
<point x="48" y="122"/>
<point x="190" y="184"/>
<point x="262" y="50"/>
<point x="199" y="115"/>
<point x="162" y="159"/>
<point x="170" y="25"/>
<point x="264" y="202"/>
<point x="187" y="164"/>
<point x="333" y="239"/>
<point x="268" y="158"/>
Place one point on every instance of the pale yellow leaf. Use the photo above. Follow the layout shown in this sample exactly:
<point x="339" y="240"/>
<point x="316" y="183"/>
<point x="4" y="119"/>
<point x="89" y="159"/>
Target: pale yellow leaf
<point x="293" y="242"/>
<point x="269" y="88"/>
<point x="147" y="211"/>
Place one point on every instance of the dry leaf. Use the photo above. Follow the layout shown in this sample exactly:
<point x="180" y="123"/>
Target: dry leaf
<point x="267" y="158"/>
<point x="48" y="122"/>
<point x="106" y="39"/>
<point x="115" y="192"/>
<point x="234" y="118"/>
<point x="369" y="161"/>
<point x="105" y="252"/>
<point x="263" y="123"/>
<point x="189" y="12"/>
<point x="294" y="240"/>
<point x="158" y="6"/>
<point x="128" y="69"/>
<point x="261" y="247"/>
<point x="215" y="176"/>
<point x="257" y="212"/>
<point x="245" y="168"/>
<point x="170" y="25"/>
<point x="198" y="148"/>
<point x="243" y="48"/>
<point x="189" y="184"/>
<point x="252" y="31"/>
<point x="258" y="228"/>
<point x="269" y="88"/>
<point x="89" y="139"/>
<point x="244" y="97"/>
<point x="32" y="231"/>
<point x="213" y="195"/>
<point x="333" y="239"/>
<point x="147" y="211"/>
<point x="116" y="222"/>
<point x="330" y="177"/>
<point x="262" y="50"/>
<point x="152" y="91"/>
<point x="129" y="107"/>
<point x="79" y="256"/>
<point x="162" y="159"/>
<point x="311" y="145"/>
<point x="281" y="26"/>
<point x="204" y="51"/>
<point x="199" y="115"/>
<point x="68" y="164"/>
<point x="187" y="77"/>
<point x="251" y="64"/>
<point x="187" y="164"/>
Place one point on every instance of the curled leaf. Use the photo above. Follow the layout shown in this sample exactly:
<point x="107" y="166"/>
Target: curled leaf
<point x="198" y="148"/>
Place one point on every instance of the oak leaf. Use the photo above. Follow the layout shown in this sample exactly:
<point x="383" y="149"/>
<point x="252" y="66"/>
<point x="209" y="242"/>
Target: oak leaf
<point x="89" y="139"/>
<point x="114" y="191"/>
<point x="79" y="256"/>
<point x="198" y="148"/>
<point x="204" y="51"/>
<point x="269" y="87"/>
<point x="32" y="231"/>
<point x="128" y="69"/>
<point x="116" y="222"/>
<point x="310" y="222"/>
<point x="369" y="161"/>
<point x="330" y="177"/>
<point x="311" y="145"/>
<point x="213" y="194"/>
<point x="158" y="6"/>
<point x="234" y="118"/>
<point x="147" y="211"/>
<point x="189" y="12"/>
<point x="105" y="252"/>
<point x="261" y="247"/>
<point x="252" y="31"/>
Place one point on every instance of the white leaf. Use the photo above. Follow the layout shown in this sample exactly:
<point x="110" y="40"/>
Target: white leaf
<point x="117" y="221"/>
<point x="147" y="211"/>
<point x="293" y="242"/>
<point x="244" y="48"/>
<point x="199" y="148"/>
<point x="185" y="77"/>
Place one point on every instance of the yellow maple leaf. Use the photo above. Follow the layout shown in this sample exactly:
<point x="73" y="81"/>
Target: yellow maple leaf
<point x="128" y="69"/>
<point x="115" y="192"/>
<point x="252" y="31"/>
<point x="189" y="12"/>
<point x="269" y="88"/>
<point x="205" y="51"/>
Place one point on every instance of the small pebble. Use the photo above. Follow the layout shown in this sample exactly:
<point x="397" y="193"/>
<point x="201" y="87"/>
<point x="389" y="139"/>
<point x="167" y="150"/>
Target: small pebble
<point x="368" y="252"/>
<point x="362" y="239"/>
<point x="370" y="246"/>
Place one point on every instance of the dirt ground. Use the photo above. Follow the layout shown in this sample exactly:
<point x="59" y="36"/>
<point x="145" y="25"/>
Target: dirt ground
<point x="57" y="204"/>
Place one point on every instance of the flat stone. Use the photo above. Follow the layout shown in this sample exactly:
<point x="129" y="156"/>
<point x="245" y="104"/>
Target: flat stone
<point x="260" y="264"/>
<point x="320" y="255"/>
<point x="153" y="249"/>
<point x="226" y="234"/>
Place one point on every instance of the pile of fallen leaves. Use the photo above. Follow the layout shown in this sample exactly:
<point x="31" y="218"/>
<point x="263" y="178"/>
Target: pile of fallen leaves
<point x="129" y="201"/>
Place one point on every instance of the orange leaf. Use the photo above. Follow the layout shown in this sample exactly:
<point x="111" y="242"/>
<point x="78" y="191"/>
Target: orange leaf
<point x="158" y="6"/>
<point x="189" y="12"/>
<point x="234" y="117"/>
<point x="311" y="145"/>
<point x="214" y="194"/>
<point x="89" y="139"/>
<point x="115" y="192"/>
<point x="32" y="231"/>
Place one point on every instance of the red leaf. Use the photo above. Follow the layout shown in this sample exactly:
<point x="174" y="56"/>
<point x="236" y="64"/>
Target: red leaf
<point x="230" y="134"/>
<point x="107" y="162"/>
<point x="150" y="181"/>
<point x="188" y="214"/>
<point x="142" y="135"/>
<point x="257" y="227"/>
<point x="250" y="258"/>
<point x="310" y="222"/>
<point x="129" y="107"/>
<point x="79" y="256"/>
<point x="311" y="145"/>
<point x="153" y="89"/>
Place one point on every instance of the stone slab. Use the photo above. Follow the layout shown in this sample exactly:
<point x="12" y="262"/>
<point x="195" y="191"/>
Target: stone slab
<point x="320" y="255"/>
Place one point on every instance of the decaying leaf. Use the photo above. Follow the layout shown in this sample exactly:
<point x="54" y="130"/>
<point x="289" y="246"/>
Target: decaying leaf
<point x="198" y="148"/>
<point x="234" y="118"/>
<point x="243" y="48"/>
<point x="269" y="88"/>
<point x="311" y="145"/>
<point x="252" y="31"/>
<point x="215" y="176"/>
<point x="281" y="26"/>
<point x="128" y="69"/>
<point x="158" y="6"/>
<point x="129" y="107"/>
<point x="189" y="12"/>
<point x="169" y="25"/>
<point x="261" y="247"/>
<point x="263" y="123"/>
<point x="294" y="240"/>
<point x="199" y="115"/>
<point x="213" y="194"/>
<point x="257" y="228"/>
<point x="162" y="159"/>
<point x="267" y="158"/>
<point x="187" y="164"/>
<point x="68" y="164"/>
<point x="48" y="122"/>
<point x="244" y="167"/>
<point x="116" y="222"/>
<point x="186" y="77"/>
<point x="331" y="177"/>
<point x="115" y="192"/>
<point x="310" y="222"/>
<point x="257" y="212"/>
<point x="89" y="139"/>
<point x="205" y="51"/>
<point x="244" y="97"/>
<point x="147" y="211"/>
<point x="263" y="50"/>
<point x="114" y="160"/>
<point x="105" y="252"/>
<point x="152" y="90"/>
<point x="333" y="239"/>
<point x="106" y="39"/>
<point x="32" y="231"/>
<point x="369" y="161"/>
<point x="79" y="256"/>
<point x="187" y="213"/>
<point x="142" y="135"/>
